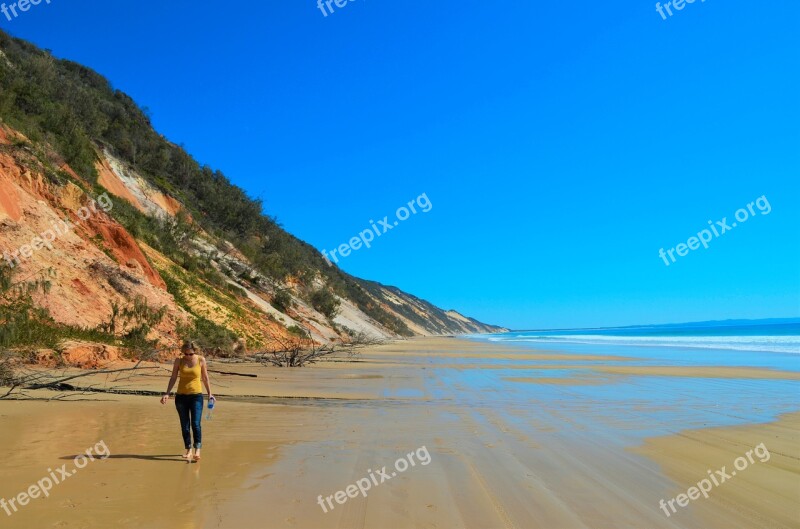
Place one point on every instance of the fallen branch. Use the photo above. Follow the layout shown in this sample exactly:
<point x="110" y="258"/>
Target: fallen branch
<point x="19" y="381"/>
<point x="61" y="381"/>
<point x="232" y="374"/>
<point x="295" y="351"/>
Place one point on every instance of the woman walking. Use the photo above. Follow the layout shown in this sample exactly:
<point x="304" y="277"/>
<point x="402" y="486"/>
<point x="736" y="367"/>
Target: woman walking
<point x="191" y="368"/>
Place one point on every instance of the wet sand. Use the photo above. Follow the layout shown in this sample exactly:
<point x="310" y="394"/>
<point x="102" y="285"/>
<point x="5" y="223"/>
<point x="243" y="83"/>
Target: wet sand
<point x="763" y="487"/>
<point x="548" y="451"/>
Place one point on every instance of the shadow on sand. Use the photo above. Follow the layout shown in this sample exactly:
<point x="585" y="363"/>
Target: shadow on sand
<point x="165" y="457"/>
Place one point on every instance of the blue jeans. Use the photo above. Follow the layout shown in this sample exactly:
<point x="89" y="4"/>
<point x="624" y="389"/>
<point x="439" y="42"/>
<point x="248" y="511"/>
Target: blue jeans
<point x="190" y="410"/>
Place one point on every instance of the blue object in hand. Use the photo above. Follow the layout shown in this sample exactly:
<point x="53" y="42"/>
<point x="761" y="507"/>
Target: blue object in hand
<point x="211" y="403"/>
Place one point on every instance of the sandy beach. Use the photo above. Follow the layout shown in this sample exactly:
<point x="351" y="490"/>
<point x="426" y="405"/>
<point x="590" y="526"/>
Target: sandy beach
<point x="516" y="439"/>
<point x="348" y="264"/>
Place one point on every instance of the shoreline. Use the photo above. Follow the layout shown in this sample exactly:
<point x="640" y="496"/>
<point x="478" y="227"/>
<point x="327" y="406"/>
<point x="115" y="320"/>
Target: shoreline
<point x="551" y="451"/>
<point x="402" y="354"/>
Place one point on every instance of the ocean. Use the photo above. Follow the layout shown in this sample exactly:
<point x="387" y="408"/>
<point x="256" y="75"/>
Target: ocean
<point x="766" y="344"/>
<point x="664" y="403"/>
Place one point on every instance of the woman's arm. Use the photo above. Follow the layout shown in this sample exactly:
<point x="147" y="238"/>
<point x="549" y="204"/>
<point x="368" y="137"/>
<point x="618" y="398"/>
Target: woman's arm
<point x="172" y="379"/>
<point x="204" y="374"/>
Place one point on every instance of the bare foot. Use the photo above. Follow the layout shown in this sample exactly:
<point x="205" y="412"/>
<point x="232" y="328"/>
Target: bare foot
<point x="196" y="455"/>
<point x="187" y="455"/>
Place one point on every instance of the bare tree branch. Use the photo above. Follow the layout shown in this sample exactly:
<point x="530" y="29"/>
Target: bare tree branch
<point x="19" y="380"/>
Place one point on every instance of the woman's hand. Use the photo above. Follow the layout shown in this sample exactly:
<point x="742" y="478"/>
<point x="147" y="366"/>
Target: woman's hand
<point x="212" y="397"/>
<point x="164" y="399"/>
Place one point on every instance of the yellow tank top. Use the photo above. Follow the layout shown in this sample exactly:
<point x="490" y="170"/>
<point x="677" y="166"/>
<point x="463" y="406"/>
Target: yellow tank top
<point x="190" y="382"/>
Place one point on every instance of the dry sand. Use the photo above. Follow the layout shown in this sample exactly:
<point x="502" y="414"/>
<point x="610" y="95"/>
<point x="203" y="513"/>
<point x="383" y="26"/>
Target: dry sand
<point x="500" y="457"/>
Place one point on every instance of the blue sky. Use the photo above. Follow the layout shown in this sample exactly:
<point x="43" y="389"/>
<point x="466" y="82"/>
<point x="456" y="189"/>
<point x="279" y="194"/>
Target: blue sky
<point x="562" y="144"/>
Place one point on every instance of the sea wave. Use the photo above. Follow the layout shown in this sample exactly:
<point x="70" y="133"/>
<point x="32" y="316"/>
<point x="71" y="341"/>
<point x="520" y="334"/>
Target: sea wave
<point x="773" y="344"/>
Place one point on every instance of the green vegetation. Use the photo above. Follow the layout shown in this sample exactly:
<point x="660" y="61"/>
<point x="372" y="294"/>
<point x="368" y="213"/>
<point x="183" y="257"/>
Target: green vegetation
<point x="282" y="301"/>
<point x="325" y="302"/>
<point x="24" y="325"/>
<point x="134" y="321"/>
<point x="433" y="318"/>
<point x="77" y="111"/>
<point x="222" y="293"/>
<point x="20" y="321"/>
<point x="294" y="330"/>
<point x="209" y="336"/>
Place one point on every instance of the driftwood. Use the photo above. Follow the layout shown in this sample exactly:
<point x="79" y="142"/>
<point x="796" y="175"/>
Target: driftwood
<point x="17" y="381"/>
<point x="232" y="374"/>
<point x="294" y="352"/>
<point x="302" y="350"/>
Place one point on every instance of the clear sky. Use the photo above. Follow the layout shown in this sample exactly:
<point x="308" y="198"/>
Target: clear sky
<point x="561" y="144"/>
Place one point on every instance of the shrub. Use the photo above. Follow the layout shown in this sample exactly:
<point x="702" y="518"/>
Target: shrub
<point x="297" y="331"/>
<point x="210" y="336"/>
<point x="325" y="302"/>
<point x="282" y="301"/>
